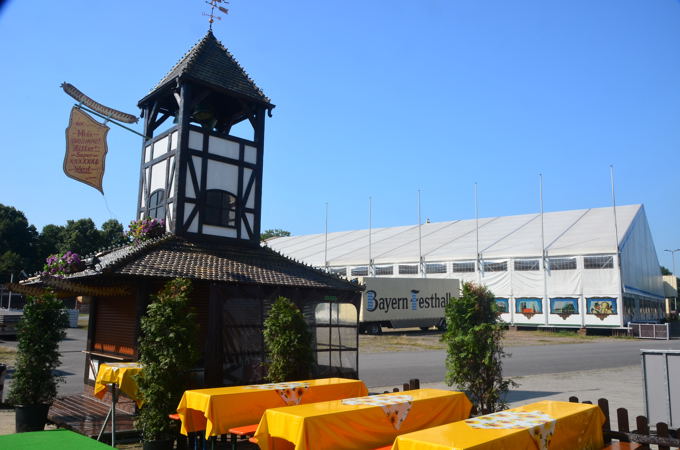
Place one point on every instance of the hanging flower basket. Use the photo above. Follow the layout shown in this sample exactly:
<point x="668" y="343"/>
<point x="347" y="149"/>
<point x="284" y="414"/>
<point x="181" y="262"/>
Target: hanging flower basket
<point x="60" y="265"/>
<point x="145" y="229"/>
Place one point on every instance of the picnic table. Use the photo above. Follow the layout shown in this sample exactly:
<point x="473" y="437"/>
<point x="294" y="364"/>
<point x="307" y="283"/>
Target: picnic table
<point x="216" y="410"/>
<point x="540" y="425"/>
<point x="359" y="423"/>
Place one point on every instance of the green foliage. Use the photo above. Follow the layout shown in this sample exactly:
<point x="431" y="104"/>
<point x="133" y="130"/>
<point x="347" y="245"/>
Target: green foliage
<point x="113" y="233"/>
<point x="17" y="242"/>
<point x="665" y="271"/>
<point x="80" y="236"/>
<point x="41" y="328"/>
<point x="22" y="248"/>
<point x="276" y="232"/>
<point x="49" y="240"/>
<point x="474" y="341"/>
<point x="288" y="342"/>
<point x="168" y="351"/>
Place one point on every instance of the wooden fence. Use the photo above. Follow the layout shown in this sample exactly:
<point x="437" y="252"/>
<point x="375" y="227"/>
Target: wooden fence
<point x="662" y="436"/>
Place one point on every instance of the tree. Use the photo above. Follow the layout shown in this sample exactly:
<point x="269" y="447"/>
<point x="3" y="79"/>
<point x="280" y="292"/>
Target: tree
<point x="272" y="233"/>
<point x="50" y="241"/>
<point x="288" y="343"/>
<point x="168" y="351"/>
<point x="80" y="236"/>
<point x="113" y="234"/>
<point x="665" y="271"/>
<point x="474" y="339"/>
<point x="18" y="242"/>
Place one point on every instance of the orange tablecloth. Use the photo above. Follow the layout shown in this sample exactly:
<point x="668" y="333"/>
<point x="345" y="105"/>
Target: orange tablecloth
<point x="540" y="425"/>
<point x="358" y="424"/>
<point x="218" y="409"/>
<point x="120" y="373"/>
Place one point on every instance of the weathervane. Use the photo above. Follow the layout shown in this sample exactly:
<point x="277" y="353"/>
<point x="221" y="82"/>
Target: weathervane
<point x="215" y="4"/>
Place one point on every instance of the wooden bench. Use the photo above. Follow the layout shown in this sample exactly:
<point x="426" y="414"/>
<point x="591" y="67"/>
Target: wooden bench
<point x="246" y="431"/>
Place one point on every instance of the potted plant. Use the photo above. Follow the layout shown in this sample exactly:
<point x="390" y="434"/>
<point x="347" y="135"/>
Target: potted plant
<point x="168" y="352"/>
<point x="34" y="384"/>
<point x="288" y="343"/>
<point x="145" y="229"/>
<point x="59" y="265"/>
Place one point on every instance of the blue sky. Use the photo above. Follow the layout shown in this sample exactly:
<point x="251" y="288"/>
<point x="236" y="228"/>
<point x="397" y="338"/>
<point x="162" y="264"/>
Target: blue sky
<point x="374" y="98"/>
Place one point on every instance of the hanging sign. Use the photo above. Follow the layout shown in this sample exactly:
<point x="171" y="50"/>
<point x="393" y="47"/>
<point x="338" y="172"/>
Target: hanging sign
<point x="85" y="149"/>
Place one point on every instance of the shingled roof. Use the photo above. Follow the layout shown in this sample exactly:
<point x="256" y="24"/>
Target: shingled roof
<point x="172" y="256"/>
<point x="210" y="63"/>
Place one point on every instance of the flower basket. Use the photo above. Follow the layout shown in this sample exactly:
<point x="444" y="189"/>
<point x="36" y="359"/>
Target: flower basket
<point x="60" y="265"/>
<point x="145" y="229"/>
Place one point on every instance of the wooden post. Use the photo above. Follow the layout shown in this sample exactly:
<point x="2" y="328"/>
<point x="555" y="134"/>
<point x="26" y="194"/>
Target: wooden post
<point x="573" y="399"/>
<point x="406" y="387"/>
<point x="642" y="426"/>
<point x="622" y="419"/>
<point x="414" y="383"/>
<point x="606" y="426"/>
<point x="662" y="431"/>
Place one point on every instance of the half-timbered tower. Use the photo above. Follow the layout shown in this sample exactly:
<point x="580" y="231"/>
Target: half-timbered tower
<point x="194" y="174"/>
<point x="206" y="182"/>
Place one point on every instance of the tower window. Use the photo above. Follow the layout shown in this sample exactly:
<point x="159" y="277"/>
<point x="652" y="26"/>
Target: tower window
<point x="220" y="208"/>
<point x="157" y="204"/>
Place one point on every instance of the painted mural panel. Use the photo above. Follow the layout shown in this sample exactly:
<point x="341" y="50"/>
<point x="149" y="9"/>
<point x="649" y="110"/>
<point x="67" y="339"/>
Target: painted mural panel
<point x="529" y="306"/>
<point x="601" y="306"/>
<point x="503" y="305"/>
<point x="564" y="305"/>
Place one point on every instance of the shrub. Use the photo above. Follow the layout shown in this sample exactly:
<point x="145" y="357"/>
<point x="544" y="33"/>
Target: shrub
<point x="475" y="349"/>
<point x="42" y="326"/>
<point x="168" y="352"/>
<point x="288" y="343"/>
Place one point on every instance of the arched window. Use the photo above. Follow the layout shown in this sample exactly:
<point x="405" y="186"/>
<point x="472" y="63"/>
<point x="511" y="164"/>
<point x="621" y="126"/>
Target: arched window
<point x="220" y="208"/>
<point x="157" y="204"/>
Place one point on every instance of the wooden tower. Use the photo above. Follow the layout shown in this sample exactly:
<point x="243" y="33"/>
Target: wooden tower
<point x="194" y="174"/>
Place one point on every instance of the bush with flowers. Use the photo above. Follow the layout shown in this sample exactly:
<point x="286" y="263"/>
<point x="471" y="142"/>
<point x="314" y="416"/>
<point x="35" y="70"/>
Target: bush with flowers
<point x="144" y="229"/>
<point x="59" y="265"/>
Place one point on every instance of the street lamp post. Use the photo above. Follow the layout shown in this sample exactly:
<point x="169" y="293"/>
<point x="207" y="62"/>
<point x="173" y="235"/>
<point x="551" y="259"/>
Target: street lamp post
<point x="672" y="252"/>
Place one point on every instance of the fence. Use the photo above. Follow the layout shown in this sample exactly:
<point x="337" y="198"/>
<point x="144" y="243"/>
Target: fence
<point x="650" y="330"/>
<point x="662" y="436"/>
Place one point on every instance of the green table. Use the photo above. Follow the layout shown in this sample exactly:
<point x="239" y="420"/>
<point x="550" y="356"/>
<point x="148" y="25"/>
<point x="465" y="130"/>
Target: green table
<point x="53" y="440"/>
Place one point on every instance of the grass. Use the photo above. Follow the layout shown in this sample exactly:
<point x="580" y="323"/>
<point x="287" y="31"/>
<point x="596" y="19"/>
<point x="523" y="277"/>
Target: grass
<point x="8" y="355"/>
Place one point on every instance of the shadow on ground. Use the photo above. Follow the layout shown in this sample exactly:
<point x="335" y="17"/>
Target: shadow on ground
<point x="518" y="396"/>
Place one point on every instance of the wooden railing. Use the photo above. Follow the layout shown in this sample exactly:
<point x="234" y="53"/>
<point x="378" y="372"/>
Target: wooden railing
<point x="662" y="436"/>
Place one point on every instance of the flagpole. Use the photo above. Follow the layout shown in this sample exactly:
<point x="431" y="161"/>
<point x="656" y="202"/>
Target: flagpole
<point x="325" y="247"/>
<point x="371" y="269"/>
<point x="479" y="267"/>
<point x="546" y="307"/>
<point x="420" y="246"/>
<point x="616" y="236"/>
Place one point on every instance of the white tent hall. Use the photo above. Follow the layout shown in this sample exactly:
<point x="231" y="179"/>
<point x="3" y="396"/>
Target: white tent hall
<point x="579" y="268"/>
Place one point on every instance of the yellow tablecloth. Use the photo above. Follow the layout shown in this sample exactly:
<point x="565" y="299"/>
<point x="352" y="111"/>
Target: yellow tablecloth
<point x="337" y="424"/>
<point x="218" y="409"/>
<point x="120" y="373"/>
<point x="574" y="426"/>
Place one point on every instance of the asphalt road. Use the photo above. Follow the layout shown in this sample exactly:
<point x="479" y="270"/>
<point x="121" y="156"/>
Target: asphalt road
<point x="393" y="369"/>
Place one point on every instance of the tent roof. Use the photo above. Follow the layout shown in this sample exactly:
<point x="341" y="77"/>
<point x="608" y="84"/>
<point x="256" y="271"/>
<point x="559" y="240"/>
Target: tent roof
<point x="566" y="233"/>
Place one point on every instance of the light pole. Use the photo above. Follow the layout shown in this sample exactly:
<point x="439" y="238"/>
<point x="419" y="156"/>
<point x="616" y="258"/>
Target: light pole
<point x="672" y="252"/>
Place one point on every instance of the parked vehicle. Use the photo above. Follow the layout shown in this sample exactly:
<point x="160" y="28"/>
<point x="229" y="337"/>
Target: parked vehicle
<point x="405" y="302"/>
